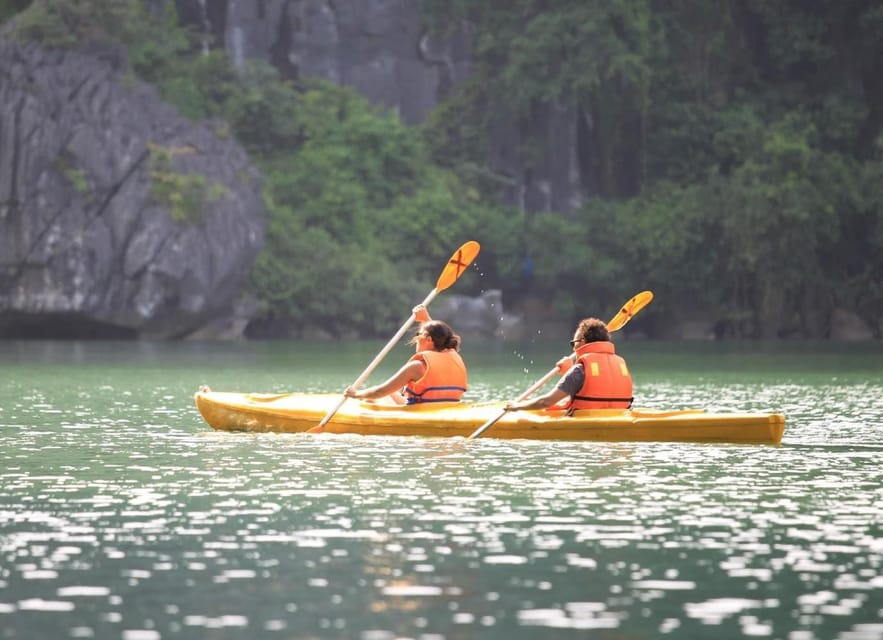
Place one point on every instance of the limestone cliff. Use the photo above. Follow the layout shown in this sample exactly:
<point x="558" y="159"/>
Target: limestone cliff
<point x="120" y="217"/>
<point x="117" y="215"/>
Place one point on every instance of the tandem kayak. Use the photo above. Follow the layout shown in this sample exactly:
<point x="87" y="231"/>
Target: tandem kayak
<point x="298" y="412"/>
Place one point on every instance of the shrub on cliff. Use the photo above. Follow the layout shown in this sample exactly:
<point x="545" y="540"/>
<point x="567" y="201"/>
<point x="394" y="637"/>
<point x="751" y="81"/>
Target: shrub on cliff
<point x="360" y="219"/>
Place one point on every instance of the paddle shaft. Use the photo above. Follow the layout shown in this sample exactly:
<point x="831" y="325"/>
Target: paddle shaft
<point x="376" y="361"/>
<point x="456" y="266"/>
<point x="524" y="396"/>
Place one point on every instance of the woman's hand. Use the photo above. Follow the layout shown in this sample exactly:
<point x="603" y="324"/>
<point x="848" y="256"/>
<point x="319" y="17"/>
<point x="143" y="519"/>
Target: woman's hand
<point x="421" y="315"/>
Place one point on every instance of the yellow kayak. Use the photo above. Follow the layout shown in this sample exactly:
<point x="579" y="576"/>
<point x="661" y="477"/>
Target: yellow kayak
<point x="298" y="412"/>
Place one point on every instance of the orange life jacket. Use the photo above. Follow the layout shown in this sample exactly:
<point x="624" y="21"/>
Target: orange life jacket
<point x="608" y="384"/>
<point x="443" y="381"/>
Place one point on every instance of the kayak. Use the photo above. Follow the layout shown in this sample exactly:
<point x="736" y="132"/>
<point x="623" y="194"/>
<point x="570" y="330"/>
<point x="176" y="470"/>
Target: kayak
<point x="298" y="412"/>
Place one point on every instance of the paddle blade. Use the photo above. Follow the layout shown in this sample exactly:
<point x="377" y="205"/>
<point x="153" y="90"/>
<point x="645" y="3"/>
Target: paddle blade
<point x="629" y="309"/>
<point x="458" y="264"/>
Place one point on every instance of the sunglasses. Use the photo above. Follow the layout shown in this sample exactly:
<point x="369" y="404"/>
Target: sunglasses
<point x="573" y="342"/>
<point x="419" y="336"/>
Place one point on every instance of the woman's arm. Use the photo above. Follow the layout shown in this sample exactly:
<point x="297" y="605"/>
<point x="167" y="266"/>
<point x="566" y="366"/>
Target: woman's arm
<point x="412" y="370"/>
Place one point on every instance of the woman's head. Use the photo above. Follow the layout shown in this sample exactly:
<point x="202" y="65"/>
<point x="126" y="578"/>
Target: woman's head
<point x="590" y="330"/>
<point x="437" y="336"/>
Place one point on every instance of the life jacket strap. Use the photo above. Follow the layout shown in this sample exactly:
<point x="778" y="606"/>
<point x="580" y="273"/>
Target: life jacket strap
<point x="415" y="398"/>
<point x="592" y="399"/>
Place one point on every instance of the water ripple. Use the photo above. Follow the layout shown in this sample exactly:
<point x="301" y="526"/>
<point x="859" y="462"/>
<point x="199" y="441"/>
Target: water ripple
<point x="122" y="515"/>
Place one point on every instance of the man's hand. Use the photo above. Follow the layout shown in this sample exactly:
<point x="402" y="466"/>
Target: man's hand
<point x="564" y="364"/>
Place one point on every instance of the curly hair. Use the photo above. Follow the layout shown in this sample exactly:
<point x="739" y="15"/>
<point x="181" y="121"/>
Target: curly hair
<point x="593" y="330"/>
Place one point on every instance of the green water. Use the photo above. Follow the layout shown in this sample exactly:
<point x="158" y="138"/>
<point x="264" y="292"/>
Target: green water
<point x="122" y="515"/>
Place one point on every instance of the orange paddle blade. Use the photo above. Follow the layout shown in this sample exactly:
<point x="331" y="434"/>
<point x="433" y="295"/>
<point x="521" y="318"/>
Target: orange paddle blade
<point x="629" y="309"/>
<point x="458" y="264"/>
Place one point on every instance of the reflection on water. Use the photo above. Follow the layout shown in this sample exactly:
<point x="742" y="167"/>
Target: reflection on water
<point x="123" y="516"/>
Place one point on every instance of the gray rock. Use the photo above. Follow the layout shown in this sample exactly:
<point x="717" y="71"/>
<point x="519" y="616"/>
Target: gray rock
<point x="847" y="326"/>
<point x="85" y="235"/>
<point x="473" y="316"/>
<point x="378" y="47"/>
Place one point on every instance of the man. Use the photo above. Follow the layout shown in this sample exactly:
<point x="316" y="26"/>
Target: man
<point x="599" y="380"/>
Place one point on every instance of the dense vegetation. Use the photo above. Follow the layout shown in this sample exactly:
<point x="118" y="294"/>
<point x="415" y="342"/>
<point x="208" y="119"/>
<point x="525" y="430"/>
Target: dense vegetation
<point x="734" y="157"/>
<point x="736" y="152"/>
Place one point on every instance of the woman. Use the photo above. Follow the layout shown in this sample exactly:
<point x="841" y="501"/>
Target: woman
<point x="600" y="379"/>
<point x="435" y="373"/>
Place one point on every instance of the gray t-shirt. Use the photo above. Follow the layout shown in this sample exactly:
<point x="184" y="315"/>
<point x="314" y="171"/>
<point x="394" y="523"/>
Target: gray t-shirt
<point x="573" y="380"/>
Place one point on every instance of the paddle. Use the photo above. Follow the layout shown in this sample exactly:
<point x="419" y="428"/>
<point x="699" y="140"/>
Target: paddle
<point x="628" y="310"/>
<point x="455" y="268"/>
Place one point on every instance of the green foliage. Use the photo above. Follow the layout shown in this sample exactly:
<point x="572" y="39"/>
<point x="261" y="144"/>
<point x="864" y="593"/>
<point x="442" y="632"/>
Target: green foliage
<point x="361" y="222"/>
<point x="186" y="195"/>
<point x="608" y="250"/>
<point x="306" y="278"/>
<point x="81" y="23"/>
<point x="153" y="52"/>
<point x="260" y="107"/>
<point x="9" y="8"/>
<point x="593" y="56"/>
<point x="75" y="175"/>
<point x="734" y="150"/>
<point x="786" y="235"/>
<point x="730" y="146"/>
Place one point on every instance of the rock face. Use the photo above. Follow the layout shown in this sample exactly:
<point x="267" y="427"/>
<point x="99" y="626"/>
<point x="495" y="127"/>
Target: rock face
<point x="378" y="47"/>
<point x="848" y="327"/>
<point x="117" y="215"/>
<point x="479" y="316"/>
<point x="383" y="50"/>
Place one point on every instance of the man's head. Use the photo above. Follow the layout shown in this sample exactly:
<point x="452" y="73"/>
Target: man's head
<point x="590" y="330"/>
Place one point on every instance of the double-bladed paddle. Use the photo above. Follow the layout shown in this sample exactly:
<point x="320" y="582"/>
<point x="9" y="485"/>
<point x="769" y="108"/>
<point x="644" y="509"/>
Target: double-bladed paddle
<point x="456" y="266"/>
<point x="628" y="310"/>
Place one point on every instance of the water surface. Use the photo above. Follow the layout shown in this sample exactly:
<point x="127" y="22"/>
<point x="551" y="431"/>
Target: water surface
<point x="122" y="515"/>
